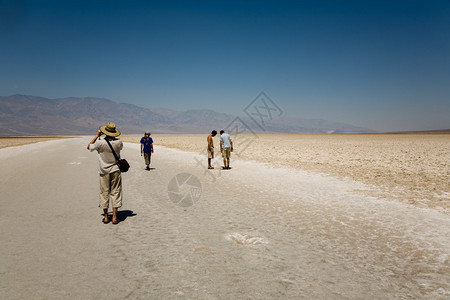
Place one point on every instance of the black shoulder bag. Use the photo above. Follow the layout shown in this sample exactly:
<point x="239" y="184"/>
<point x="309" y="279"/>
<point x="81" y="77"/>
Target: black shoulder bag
<point x="122" y="163"/>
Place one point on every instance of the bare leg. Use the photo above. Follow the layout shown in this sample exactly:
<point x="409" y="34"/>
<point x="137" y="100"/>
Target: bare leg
<point x="115" y="220"/>
<point x="209" y="164"/>
<point x="105" y="213"/>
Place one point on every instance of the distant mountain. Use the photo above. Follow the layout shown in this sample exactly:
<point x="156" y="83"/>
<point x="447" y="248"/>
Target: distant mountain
<point x="436" y="131"/>
<point x="31" y="115"/>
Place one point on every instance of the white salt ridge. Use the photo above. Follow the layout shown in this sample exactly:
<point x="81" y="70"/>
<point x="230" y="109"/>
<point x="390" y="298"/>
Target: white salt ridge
<point x="245" y="239"/>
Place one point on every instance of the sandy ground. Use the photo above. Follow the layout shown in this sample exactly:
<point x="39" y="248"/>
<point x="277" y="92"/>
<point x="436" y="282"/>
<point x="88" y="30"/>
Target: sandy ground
<point x="253" y="232"/>
<point x="19" y="141"/>
<point x="411" y="168"/>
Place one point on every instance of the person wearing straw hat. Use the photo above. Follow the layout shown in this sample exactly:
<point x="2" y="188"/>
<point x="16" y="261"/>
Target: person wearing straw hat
<point x="110" y="175"/>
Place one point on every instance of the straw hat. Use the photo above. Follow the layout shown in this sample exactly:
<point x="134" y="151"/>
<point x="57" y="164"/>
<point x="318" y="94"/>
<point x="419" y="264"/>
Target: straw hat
<point x="110" y="130"/>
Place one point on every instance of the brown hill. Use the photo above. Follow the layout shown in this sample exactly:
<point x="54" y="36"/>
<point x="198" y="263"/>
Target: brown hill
<point x="30" y="116"/>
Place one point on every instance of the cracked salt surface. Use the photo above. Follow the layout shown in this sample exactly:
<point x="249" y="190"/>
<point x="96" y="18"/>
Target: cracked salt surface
<point x="327" y="233"/>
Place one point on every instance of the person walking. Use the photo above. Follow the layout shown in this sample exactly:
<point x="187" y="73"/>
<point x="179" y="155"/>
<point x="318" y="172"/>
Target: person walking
<point x="210" y="148"/>
<point x="110" y="175"/>
<point x="226" y="147"/>
<point x="147" y="148"/>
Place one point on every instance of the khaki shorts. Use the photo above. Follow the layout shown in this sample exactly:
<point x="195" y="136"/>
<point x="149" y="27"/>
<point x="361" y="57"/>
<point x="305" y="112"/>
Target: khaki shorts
<point x="210" y="154"/>
<point x="111" y="189"/>
<point x="226" y="152"/>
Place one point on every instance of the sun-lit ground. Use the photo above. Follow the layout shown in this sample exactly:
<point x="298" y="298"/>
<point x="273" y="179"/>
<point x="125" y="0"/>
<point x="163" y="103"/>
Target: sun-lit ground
<point x="19" y="141"/>
<point x="412" y="168"/>
<point x="255" y="231"/>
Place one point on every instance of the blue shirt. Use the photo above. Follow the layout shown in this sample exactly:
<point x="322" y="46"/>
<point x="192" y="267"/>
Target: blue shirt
<point x="147" y="145"/>
<point x="226" y="140"/>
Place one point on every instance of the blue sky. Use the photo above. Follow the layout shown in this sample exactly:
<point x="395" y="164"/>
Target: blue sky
<point x="384" y="65"/>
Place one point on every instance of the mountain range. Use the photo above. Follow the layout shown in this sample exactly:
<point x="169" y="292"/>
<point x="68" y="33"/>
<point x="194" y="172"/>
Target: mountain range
<point x="22" y="115"/>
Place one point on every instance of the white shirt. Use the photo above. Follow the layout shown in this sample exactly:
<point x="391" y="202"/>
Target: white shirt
<point x="106" y="160"/>
<point x="226" y="140"/>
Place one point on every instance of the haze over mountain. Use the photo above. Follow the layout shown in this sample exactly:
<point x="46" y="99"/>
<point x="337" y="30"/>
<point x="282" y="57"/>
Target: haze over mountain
<point x="22" y="115"/>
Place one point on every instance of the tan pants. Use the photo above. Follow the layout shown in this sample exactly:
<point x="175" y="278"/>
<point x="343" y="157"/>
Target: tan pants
<point x="111" y="188"/>
<point x="147" y="157"/>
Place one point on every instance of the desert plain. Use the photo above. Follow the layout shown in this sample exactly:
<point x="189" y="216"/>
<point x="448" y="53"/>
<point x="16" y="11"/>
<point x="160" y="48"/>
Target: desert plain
<point x="20" y="141"/>
<point x="411" y="168"/>
<point x="297" y="217"/>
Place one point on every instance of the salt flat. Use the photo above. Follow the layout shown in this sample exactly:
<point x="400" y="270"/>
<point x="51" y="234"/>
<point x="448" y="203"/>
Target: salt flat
<point x="254" y="232"/>
<point x="409" y="168"/>
<point x="19" y="141"/>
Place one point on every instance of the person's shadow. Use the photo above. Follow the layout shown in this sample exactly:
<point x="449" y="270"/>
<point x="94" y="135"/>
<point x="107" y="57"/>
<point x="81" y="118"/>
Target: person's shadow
<point x="122" y="215"/>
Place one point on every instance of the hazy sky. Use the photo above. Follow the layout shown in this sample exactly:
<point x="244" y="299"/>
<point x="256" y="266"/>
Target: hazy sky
<point x="384" y="65"/>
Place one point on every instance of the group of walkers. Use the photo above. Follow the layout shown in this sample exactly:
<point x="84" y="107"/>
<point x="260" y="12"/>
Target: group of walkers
<point x="108" y="150"/>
